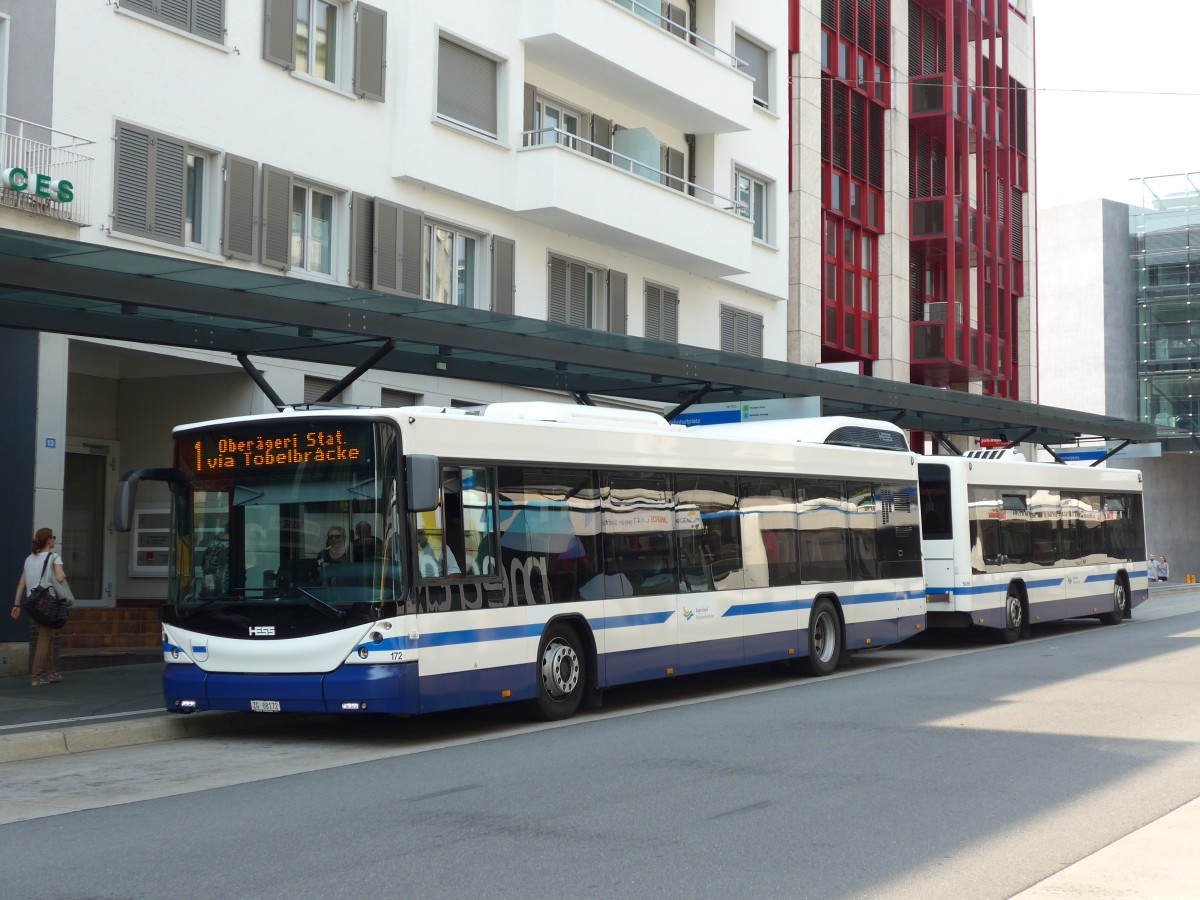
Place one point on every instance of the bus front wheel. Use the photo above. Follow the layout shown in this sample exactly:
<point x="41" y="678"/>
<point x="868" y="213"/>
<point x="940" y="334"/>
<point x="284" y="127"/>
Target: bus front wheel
<point x="1120" y="604"/>
<point x="824" y="639"/>
<point x="1014" y="616"/>
<point x="560" y="673"/>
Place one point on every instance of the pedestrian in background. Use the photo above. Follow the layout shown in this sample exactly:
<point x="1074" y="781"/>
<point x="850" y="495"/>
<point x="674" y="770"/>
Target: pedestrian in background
<point x="1164" y="569"/>
<point x="1152" y="569"/>
<point x="42" y="567"/>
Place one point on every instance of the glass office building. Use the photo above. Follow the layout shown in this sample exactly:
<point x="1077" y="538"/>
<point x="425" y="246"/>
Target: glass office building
<point x="1165" y="240"/>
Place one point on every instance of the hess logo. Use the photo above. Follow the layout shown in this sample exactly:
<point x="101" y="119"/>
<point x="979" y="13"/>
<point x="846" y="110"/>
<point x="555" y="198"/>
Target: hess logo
<point x="262" y="631"/>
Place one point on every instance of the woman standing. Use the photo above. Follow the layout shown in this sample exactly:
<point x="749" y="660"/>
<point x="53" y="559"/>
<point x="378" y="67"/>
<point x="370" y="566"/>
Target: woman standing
<point x="39" y="566"/>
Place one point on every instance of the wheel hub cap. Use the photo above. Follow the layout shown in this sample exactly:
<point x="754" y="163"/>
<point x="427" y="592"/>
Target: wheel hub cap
<point x="560" y="670"/>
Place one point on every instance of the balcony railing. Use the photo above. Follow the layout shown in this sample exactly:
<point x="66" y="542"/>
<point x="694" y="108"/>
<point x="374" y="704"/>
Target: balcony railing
<point x="42" y="170"/>
<point x="556" y="137"/>
<point x="655" y="17"/>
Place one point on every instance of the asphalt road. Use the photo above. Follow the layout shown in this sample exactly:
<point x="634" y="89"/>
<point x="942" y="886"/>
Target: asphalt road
<point x="946" y="768"/>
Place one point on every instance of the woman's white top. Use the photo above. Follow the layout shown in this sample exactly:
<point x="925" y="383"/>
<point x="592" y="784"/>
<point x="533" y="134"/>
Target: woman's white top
<point x="33" y="569"/>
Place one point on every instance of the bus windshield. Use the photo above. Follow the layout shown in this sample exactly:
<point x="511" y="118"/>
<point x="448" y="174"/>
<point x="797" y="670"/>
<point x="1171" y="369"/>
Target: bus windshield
<point x="287" y="526"/>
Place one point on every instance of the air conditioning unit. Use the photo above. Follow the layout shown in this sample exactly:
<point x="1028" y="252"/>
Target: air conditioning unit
<point x="935" y="312"/>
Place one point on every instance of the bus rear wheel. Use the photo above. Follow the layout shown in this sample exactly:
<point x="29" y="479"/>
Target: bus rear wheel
<point x="561" y="673"/>
<point x="1120" y="604"/>
<point x="824" y="639"/>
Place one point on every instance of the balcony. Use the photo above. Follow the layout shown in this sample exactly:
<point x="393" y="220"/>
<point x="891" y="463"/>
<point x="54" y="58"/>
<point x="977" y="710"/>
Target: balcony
<point x="619" y="46"/>
<point x="42" y="171"/>
<point x="573" y="185"/>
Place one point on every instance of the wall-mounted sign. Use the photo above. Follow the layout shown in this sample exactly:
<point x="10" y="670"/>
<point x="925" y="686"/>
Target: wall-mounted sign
<point x="17" y="179"/>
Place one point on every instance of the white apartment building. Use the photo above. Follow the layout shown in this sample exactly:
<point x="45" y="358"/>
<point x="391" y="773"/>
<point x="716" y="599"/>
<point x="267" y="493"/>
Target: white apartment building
<point x="602" y="163"/>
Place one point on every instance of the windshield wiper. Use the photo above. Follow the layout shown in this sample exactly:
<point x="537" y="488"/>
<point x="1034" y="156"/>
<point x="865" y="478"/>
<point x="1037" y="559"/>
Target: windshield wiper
<point x="338" y="614"/>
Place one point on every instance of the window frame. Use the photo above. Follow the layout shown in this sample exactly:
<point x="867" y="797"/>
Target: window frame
<point x="151" y="11"/>
<point x="311" y="188"/>
<point x="596" y="305"/>
<point x="340" y="43"/>
<point x="428" y="262"/>
<point x="497" y="74"/>
<point x="767" y="100"/>
<point x="151" y="175"/>
<point x="758" y="213"/>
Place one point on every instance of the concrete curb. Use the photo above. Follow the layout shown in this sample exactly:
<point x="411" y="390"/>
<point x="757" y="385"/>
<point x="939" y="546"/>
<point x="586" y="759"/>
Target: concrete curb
<point x="82" y="738"/>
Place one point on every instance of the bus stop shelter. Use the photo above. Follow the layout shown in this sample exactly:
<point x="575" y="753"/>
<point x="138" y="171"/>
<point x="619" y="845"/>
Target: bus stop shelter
<point x="93" y="290"/>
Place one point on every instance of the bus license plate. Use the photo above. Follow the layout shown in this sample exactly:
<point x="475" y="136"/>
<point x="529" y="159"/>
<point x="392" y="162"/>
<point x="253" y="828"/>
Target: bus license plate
<point x="264" y="706"/>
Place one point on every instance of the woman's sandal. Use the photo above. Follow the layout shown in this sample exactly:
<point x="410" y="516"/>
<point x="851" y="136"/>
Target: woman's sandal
<point x="40" y="680"/>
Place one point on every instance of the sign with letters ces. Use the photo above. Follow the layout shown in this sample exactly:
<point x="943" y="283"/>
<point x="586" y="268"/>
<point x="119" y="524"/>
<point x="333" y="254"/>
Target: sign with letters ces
<point x="18" y="180"/>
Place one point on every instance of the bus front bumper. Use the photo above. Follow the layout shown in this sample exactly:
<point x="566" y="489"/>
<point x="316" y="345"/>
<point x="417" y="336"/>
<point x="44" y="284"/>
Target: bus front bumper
<point x="357" y="688"/>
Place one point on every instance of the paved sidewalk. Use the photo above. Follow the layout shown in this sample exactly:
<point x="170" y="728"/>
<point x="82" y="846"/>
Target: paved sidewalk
<point x="94" y="709"/>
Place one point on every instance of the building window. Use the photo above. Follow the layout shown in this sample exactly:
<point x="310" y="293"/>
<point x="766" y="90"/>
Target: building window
<point x="317" y="34"/>
<point x="194" y="223"/>
<point x="751" y="194"/>
<point x="467" y="88"/>
<point x="741" y="331"/>
<point x="555" y="122"/>
<point x="203" y="18"/>
<point x="312" y="230"/>
<point x="3" y="63"/>
<point x="160" y="190"/>
<point x="754" y="60"/>
<point x="451" y="265"/>
<point x="337" y="42"/>
<point x="586" y="296"/>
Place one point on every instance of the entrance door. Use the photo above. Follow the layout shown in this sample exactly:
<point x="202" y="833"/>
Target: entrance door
<point x="84" y="544"/>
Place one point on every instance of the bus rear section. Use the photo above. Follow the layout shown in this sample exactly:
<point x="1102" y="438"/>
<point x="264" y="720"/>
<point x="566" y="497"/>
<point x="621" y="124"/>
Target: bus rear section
<point x="1008" y="543"/>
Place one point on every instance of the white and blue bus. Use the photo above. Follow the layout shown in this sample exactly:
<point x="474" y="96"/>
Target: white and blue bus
<point x="1007" y="543"/>
<point x="419" y="559"/>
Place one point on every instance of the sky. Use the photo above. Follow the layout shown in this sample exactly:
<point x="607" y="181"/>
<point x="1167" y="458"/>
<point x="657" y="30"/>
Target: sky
<point x="1118" y="96"/>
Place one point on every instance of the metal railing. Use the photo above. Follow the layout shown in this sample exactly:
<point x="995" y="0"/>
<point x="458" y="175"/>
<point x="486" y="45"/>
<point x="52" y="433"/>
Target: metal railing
<point x="654" y="17"/>
<point x="557" y="137"/>
<point x="42" y="170"/>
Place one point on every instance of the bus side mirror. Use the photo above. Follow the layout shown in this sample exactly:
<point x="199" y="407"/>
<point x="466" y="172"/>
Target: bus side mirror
<point x="126" y="494"/>
<point x="423" y="482"/>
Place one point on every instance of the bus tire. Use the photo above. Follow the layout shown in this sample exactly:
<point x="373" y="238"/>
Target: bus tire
<point x="561" y="673"/>
<point x="1015" y="623"/>
<point x="824" y="639"/>
<point x="1120" y="603"/>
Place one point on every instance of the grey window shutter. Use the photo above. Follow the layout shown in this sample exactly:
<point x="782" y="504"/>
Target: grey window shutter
<point x="208" y="20"/>
<point x="672" y="165"/>
<point x="617" y="289"/>
<point x="504" y="275"/>
<point x="275" y="246"/>
<point x="362" y="240"/>
<point x="412" y="227"/>
<point x="558" y="290"/>
<point x="602" y="135"/>
<point x="466" y="88"/>
<point x="386" y="264"/>
<point x="653" y="312"/>
<point x="529" y="121"/>
<point x="670" y="316"/>
<point x="755" y="59"/>
<point x="279" y="33"/>
<point x="675" y="19"/>
<point x="239" y="228"/>
<point x="728" y="330"/>
<point x="142" y="6"/>
<point x="170" y="173"/>
<point x="132" y="180"/>
<point x="174" y="12"/>
<point x="754" y="325"/>
<point x="370" y="52"/>
<point x="577" y="296"/>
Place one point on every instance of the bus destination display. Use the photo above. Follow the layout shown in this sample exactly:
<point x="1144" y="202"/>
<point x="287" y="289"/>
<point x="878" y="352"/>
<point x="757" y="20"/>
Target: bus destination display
<point x="274" y="448"/>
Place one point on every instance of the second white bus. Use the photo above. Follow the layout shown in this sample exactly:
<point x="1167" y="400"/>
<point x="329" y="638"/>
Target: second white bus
<point x="1007" y="543"/>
